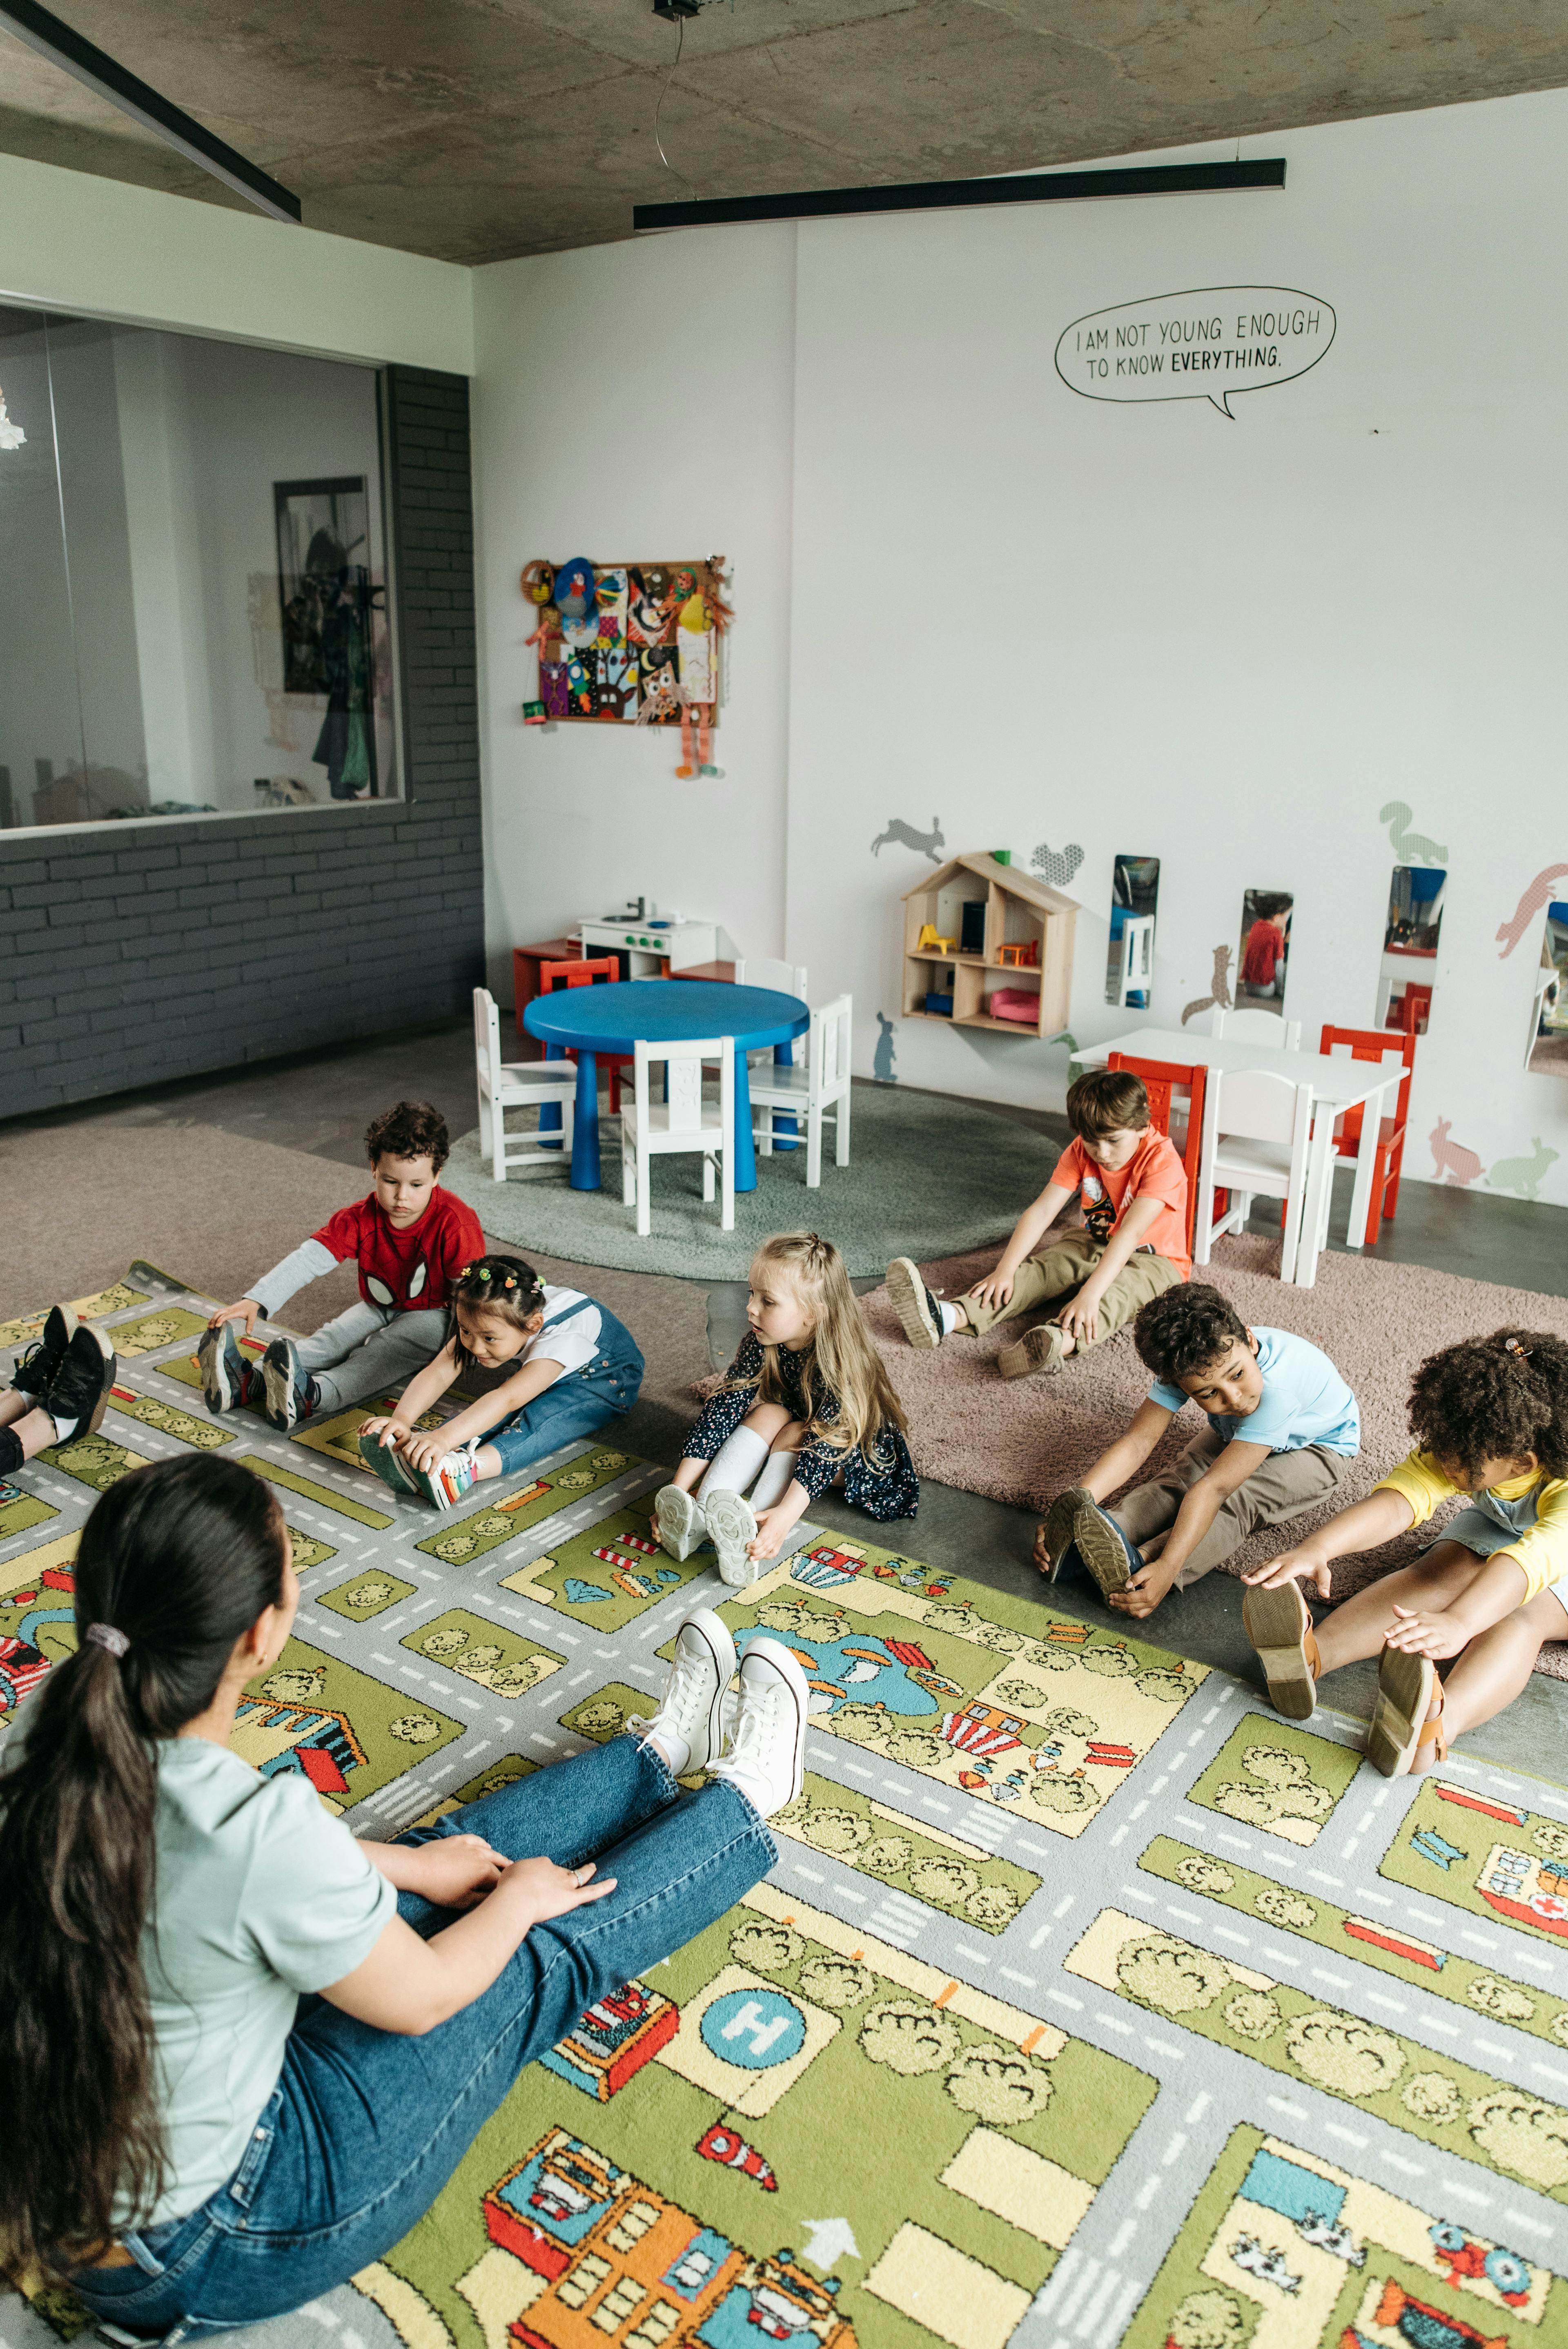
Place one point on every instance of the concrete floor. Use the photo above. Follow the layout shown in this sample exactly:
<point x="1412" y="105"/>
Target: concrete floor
<point x="321" y="1102"/>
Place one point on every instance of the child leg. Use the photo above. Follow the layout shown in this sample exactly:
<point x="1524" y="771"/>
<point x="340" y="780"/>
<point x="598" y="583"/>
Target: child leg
<point x="1492" y="1670"/>
<point x="730" y="1510"/>
<point x="1358" y="1627"/>
<point x="1039" y="1280"/>
<point x="1048" y="1345"/>
<point x="680" y="1508"/>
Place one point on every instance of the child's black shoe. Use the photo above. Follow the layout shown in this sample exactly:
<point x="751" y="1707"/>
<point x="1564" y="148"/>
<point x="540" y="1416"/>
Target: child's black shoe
<point x="80" y="1387"/>
<point x="37" y="1370"/>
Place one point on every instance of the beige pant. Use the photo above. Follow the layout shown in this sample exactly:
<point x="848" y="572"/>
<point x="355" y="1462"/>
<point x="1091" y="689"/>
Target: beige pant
<point x="1284" y="1485"/>
<point x="1062" y="1268"/>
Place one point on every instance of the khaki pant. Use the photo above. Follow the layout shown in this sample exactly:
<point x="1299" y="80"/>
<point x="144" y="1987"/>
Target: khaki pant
<point x="1062" y="1268"/>
<point x="1284" y="1485"/>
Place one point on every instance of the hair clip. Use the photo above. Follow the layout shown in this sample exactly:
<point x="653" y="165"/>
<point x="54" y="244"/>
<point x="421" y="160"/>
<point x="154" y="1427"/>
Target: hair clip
<point x="1512" y="1346"/>
<point x="104" y="1636"/>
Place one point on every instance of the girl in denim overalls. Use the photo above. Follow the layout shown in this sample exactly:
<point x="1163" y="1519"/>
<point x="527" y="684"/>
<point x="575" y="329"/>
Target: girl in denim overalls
<point x="1490" y="1418"/>
<point x="551" y="1365"/>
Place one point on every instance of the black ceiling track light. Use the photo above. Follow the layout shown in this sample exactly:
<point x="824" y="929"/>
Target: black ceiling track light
<point x="100" y="73"/>
<point x="950" y="195"/>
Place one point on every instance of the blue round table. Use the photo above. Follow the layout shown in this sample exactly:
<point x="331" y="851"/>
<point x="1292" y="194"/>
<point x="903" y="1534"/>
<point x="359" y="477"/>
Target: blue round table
<point x="592" y="1019"/>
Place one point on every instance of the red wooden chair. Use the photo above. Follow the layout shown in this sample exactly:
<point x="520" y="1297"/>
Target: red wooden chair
<point x="552" y="975"/>
<point x="1411" y="1012"/>
<point x="1388" y="1146"/>
<point x="1162" y="1080"/>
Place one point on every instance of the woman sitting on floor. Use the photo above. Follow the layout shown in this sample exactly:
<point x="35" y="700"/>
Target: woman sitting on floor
<point x="242" y="2052"/>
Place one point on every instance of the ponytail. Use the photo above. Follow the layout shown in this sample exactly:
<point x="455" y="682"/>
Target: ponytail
<point x="176" y="1562"/>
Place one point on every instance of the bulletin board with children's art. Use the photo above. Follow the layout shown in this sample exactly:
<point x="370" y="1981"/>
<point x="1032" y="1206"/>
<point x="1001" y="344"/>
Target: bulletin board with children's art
<point x="632" y="643"/>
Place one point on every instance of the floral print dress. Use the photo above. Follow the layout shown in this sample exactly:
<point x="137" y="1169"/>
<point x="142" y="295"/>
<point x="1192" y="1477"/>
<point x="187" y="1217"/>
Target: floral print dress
<point x="889" y="1488"/>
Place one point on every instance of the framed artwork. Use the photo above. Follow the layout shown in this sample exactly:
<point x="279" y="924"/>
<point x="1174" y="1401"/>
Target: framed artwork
<point x="628" y="642"/>
<point x="331" y="609"/>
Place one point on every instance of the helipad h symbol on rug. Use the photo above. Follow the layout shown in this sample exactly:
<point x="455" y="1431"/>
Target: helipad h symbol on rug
<point x="757" y="2028"/>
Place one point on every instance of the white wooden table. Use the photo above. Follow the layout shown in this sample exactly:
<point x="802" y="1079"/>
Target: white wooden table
<point x="1337" y="1083"/>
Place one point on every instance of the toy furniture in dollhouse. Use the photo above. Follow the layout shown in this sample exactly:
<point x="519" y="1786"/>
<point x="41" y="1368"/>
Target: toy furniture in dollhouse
<point x="1175" y="1092"/>
<point x="1137" y="969"/>
<point x="1388" y="1142"/>
<point x="1257" y="1136"/>
<point x="1249" y="1027"/>
<point x="820" y="1087"/>
<point x="1015" y="941"/>
<point x="683" y="1120"/>
<point x="545" y="1085"/>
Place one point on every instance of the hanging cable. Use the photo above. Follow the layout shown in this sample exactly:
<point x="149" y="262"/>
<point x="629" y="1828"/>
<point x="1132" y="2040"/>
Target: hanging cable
<point x="680" y="44"/>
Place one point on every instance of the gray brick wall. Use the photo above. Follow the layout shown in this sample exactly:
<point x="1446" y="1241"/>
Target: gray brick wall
<point x="132" y="954"/>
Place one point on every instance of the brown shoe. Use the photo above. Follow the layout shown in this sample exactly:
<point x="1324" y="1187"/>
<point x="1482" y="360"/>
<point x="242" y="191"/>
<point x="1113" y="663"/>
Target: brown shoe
<point x="1405" y="1687"/>
<point x="1043" y="1348"/>
<point x="1057" y="1530"/>
<point x="1278" y="1622"/>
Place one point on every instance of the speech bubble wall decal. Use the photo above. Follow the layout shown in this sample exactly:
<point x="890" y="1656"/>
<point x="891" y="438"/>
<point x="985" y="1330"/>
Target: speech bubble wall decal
<point x="1208" y="343"/>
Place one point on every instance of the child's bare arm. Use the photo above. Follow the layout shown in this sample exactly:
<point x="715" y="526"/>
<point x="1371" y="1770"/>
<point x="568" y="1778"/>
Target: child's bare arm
<point x="1127" y="1455"/>
<point x="477" y="1417"/>
<point x="1201" y="1505"/>
<point x="1027" y="1233"/>
<point x="1375" y="1520"/>
<point x="1499" y="1589"/>
<point x="423" y="1391"/>
<point x="1081" y="1318"/>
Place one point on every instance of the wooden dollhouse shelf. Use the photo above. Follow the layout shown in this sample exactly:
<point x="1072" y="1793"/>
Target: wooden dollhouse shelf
<point x="1020" y="912"/>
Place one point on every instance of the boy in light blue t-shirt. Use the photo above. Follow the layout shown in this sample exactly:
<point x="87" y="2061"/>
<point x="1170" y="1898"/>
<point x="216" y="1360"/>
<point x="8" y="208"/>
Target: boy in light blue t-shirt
<point x="1282" y="1428"/>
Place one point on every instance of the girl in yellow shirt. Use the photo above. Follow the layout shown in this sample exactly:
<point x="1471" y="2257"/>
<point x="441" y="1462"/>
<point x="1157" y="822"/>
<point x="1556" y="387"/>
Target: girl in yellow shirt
<point x="1491" y="1420"/>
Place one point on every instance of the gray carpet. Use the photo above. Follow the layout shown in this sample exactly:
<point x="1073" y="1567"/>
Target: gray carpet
<point x="928" y="1176"/>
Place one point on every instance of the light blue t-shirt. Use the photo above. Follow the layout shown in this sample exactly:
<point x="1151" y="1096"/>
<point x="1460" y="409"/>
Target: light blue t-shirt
<point x="1304" y="1401"/>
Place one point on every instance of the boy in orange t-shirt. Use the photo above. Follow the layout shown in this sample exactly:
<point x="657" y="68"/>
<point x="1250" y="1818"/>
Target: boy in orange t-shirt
<point x="1131" y="1188"/>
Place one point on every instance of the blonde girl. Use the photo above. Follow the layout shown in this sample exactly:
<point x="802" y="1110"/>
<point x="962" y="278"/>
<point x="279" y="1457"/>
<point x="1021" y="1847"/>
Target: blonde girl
<point x="806" y="1404"/>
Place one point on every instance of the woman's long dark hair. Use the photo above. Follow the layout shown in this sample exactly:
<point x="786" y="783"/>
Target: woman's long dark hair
<point x="180" y="1558"/>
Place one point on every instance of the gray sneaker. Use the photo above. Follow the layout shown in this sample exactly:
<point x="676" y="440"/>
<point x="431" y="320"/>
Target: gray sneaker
<point x="732" y="1523"/>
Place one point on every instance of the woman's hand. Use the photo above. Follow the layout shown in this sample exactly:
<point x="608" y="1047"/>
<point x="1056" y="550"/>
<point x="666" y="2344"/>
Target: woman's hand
<point x="245" y="1310"/>
<point x="995" y="1289"/>
<point x="1293" y="1566"/>
<point x="551" y="1891"/>
<point x="1418" y="1633"/>
<point x="454" y="1871"/>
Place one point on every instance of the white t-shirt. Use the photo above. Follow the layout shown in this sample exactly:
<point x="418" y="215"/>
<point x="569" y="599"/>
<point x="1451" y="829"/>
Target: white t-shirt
<point x="573" y="1323"/>
<point x="262" y="1896"/>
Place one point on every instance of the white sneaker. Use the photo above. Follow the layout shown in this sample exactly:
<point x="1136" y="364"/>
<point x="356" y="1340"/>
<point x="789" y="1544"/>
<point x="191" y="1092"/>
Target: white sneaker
<point x="678" y="1522"/>
<point x="693" y="1715"/>
<point x="732" y="1523"/>
<point x="766" y="1757"/>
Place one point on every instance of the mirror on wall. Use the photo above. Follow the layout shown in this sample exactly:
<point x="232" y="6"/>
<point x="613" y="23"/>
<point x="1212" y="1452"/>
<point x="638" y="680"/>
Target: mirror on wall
<point x="1410" y="948"/>
<point x="1265" y="947"/>
<point x="1130" y="960"/>
<point x="1549" y="1028"/>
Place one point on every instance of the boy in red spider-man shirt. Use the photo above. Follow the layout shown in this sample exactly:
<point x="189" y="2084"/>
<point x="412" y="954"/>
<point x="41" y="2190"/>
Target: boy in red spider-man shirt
<point x="409" y="1238"/>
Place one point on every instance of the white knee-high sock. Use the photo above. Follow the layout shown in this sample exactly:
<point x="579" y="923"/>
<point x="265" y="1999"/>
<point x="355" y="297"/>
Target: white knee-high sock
<point x="735" y="1463"/>
<point x="777" y="1475"/>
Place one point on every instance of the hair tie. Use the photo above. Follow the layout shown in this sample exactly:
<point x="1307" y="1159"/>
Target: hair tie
<point x="104" y="1636"/>
<point x="1512" y="1346"/>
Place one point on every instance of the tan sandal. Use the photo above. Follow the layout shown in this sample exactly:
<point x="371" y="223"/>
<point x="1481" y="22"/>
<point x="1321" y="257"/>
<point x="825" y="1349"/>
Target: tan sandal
<point x="1278" y="1622"/>
<point x="1405" y="1687"/>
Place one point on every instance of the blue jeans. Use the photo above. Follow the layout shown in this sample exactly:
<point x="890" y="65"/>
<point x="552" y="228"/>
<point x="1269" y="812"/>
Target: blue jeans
<point x="365" y="2128"/>
<point x="578" y="1404"/>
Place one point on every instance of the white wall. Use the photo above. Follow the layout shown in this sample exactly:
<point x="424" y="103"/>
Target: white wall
<point x="79" y="243"/>
<point x="1046" y="619"/>
<point x="635" y="402"/>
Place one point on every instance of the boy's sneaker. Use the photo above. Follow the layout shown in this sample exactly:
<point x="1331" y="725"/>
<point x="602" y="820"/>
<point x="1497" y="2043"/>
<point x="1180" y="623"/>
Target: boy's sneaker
<point x="78" y="1392"/>
<point x="228" y="1380"/>
<point x="1104" y="1548"/>
<point x="732" y="1523"/>
<point x="290" y="1392"/>
<point x="692" y="1716"/>
<point x="766" y="1757"/>
<point x="1059" y="1533"/>
<point x="1278" y="1622"/>
<point x="678" y="1521"/>
<point x="444" y="1485"/>
<point x="35" y="1369"/>
<point x="389" y="1464"/>
<point x="917" y="1309"/>
<point x="1043" y="1348"/>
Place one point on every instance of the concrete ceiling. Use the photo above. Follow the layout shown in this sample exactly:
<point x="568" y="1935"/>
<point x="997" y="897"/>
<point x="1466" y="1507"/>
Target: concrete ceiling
<point x="478" y="130"/>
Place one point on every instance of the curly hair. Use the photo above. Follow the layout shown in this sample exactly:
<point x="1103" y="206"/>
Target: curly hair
<point x="1185" y="1329"/>
<point x="1495" y="1398"/>
<point x="414" y="1129"/>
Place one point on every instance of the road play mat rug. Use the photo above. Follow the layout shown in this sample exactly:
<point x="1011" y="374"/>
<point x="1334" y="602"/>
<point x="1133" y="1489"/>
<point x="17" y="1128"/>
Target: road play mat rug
<point x="1090" y="2004"/>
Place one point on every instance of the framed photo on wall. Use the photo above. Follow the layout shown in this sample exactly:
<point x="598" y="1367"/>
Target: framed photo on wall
<point x="330" y="611"/>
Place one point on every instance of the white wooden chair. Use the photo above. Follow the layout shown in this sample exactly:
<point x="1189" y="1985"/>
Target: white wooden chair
<point x="784" y="978"/>
<point x="682" y="1121"/>
<point x="1137" y="958"/>
<point x="1249" y="1026"/>
<point x="822" y="1086"/>
<point x="1257" y="1133"/>
<point x="517" y="1084"/>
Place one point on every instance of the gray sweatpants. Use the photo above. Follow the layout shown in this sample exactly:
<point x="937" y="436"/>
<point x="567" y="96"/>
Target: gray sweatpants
<point x="371" y="1350"/>
<point x="1286" y="1486"/>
